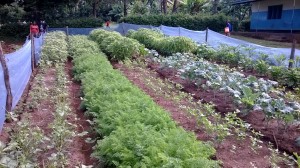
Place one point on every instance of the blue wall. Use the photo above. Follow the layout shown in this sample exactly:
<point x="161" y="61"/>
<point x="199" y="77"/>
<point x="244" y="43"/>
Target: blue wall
<point x="259" y="21"/>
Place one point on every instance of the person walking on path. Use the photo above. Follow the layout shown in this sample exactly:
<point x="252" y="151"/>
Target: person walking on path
<point x="228" y="28"/>
<point x="34" y="29"/>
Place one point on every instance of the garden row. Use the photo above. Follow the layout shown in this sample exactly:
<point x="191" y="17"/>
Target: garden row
<point x="136" y="132"/>
<point x="233" y="56"/>
<point x="44" y="133"/>
<point x="217" y="126"/>
<point x="243" y="58"/>
<point x="249" y="91"/>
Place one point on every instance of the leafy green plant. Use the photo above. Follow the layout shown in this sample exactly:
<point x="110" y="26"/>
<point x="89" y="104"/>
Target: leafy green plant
<point x="280" y="59"/>
<point x="55" y="48"/>
<point x="297" y="159"/>
<point x="261" y="67"/>
<point x="290" y="78"/>
<point x="276" y="72"/>
<point x="24" y="146"/>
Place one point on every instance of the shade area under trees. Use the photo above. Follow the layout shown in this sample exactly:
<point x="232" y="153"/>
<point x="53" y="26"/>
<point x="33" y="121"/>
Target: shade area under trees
<point x="92" y="13"/>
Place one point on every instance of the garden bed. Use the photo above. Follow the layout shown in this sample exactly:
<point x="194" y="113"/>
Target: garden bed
<point x="285" y="140"/>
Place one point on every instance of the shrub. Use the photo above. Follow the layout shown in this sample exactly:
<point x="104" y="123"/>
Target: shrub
<point x="81" y="44"/>
<point x="117" y="46"/>
<point x="14" y="30"/>
<point x="244" y="25"/>
<point x="55" y="47"/>
<point x="88" y="22"/>
<point x="192" y="22"/>
<point x="165" y="45"/>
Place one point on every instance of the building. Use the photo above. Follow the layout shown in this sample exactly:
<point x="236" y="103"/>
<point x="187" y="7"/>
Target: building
<point x="274" y="15"/>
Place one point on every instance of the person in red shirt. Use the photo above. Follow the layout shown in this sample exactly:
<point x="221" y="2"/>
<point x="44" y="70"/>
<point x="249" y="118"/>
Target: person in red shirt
<point x="34" y="29"/>
<point x="107" y="23"/>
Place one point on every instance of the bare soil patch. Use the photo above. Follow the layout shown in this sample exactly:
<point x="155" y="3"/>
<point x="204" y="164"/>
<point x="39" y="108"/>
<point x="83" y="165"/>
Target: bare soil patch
<point x="80" y="150"/>
<point x="9" y="47"/>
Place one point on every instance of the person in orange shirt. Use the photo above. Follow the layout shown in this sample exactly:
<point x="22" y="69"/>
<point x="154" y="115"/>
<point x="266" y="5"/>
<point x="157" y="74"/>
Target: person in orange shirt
<point x="34" y="29"/>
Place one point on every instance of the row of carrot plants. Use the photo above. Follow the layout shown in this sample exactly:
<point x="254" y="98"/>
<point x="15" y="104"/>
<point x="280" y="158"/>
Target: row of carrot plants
<point x="136" y="132"/>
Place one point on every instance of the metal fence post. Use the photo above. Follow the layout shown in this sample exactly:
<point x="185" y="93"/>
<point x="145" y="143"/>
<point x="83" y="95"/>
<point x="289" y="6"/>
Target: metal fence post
<point x="6" y="81"/>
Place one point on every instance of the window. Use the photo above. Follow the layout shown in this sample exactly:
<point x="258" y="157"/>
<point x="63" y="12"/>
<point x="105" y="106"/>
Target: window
<point x="274" y="12"/>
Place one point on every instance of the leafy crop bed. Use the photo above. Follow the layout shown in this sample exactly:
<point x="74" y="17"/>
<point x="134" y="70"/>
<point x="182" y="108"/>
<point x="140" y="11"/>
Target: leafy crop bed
<point x="136" y="131"/>
<point x="46" y="125"/>
<point x="256" y="106"/>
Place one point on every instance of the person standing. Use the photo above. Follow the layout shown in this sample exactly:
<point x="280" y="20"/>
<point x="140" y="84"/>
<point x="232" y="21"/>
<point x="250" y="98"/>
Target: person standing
<point x="107" y="23"/>
<point x="34" y="29"/>
<point x="228" y="28"/>
<point x="45" y="26"/>
<point x="41" y="28"/>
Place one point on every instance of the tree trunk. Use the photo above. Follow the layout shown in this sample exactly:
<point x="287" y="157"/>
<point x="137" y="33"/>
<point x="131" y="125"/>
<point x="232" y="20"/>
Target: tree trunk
<point x="95" y="7"/>
<point x="164" y="5"/>
<point x="125" y="7"/>
<point x="175" y="6"/>
<point x="215" y="6"/>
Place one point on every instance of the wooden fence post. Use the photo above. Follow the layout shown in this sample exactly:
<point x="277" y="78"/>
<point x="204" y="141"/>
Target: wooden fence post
<point x="292" y="57"/>
<point x="6" y="81"/>
<point x="206" y="35"/>
<point x="32" y="52"/>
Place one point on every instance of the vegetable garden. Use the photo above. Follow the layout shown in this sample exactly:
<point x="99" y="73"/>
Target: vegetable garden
<point x="153" y="101"/>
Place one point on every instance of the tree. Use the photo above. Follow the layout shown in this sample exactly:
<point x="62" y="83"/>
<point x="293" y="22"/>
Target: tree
<point x="215" y="6"/>
<point x="195" y="6"/>
<point x="164" y="6"/>
<point x="125" y="7"/>
<point x="175" y="6"/>
<point x="11" y="13"/>
<point x="95" y="7"/>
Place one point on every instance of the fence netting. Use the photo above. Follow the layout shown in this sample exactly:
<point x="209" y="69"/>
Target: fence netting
<point x="73" y="31"/>
<point x="19" y="67"/>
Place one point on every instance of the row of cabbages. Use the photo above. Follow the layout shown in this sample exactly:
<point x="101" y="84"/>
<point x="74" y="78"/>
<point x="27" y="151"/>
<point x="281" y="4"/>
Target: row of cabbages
<point x="254" y="93"/>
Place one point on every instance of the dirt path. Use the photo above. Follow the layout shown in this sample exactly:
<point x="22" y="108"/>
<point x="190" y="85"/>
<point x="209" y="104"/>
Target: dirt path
<point x="240" y="157"/>
<point x="9" y="47"/>
<point x="80" y="151"/>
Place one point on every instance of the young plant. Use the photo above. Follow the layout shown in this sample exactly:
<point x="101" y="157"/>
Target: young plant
<point x="261" y="67"/>
<point x="249" y="98"/>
